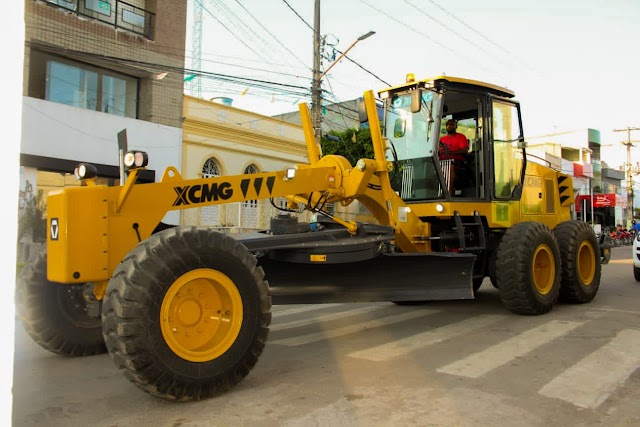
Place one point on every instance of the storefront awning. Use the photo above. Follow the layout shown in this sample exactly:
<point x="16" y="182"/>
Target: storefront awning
<point x="599" y="201"/>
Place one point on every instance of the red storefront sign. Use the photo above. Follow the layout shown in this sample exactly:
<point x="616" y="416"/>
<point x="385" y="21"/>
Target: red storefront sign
<point x="599" y="201"/>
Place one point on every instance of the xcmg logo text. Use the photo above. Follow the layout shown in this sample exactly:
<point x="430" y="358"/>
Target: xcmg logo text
<point x="202" y="193"/>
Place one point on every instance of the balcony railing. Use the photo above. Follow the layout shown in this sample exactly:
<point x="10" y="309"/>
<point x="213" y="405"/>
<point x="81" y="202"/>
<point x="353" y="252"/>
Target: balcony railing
<point x="117" y="13"/>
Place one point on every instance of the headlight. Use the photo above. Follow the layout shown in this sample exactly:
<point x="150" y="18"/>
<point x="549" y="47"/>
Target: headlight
<point x="135" y="159"/>
<point x="85" y="171"/>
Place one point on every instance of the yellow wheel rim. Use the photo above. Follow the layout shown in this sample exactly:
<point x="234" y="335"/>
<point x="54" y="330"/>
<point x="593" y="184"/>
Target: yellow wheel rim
<point x="543" y="269"/>
<point x="201" y="315"/>
<point x="586" y="263"/>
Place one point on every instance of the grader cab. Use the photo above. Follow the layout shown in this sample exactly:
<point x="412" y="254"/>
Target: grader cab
<point x="184" y="312"/>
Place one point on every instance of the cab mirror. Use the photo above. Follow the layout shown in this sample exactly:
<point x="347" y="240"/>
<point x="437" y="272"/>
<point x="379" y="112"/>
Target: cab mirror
<point x="399" y="128"/>
<point x="416" y="101"/>
<point x="362" y="112"/>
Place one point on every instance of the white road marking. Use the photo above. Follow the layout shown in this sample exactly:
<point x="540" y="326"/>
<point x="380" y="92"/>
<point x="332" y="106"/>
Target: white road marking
<point x="495" y="356"/>
<point x="324" y="318"/>
<point x="615" y="310"/>
<point x="354" y="328"/>
<point x="296" y="310"/>
<point x="589" y="382"/>
<point x="405" y="345"/>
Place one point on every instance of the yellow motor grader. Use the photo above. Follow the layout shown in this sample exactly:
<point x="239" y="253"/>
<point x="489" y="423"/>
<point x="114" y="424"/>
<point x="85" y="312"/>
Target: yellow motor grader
<point x="184" y="312"/>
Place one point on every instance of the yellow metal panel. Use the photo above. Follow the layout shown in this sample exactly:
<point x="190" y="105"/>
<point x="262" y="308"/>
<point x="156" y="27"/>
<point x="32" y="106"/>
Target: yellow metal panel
<point x="77" y="238"/>
<point x="532" y="195"/>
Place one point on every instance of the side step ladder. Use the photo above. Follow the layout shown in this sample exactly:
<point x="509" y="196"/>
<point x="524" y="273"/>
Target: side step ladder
<point x="478" y="228"/>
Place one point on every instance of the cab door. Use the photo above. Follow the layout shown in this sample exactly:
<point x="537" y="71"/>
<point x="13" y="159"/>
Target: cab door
<point x="507" y="150"/>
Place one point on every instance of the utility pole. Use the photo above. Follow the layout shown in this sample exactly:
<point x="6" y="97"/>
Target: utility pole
<point x="629" y="144"/>
<point x="316" y="88"/>
<point x="196" y="44"/>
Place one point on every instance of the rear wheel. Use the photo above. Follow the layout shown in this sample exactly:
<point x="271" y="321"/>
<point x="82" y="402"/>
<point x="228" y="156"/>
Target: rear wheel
<point x="55" y="315"/>
<point x="581" y="267"/>
<point x="492" y="269"/>
<point x="187" y="314"/>
<point x="528" y="269"/>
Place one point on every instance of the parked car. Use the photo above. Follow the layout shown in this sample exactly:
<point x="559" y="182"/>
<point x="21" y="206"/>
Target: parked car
<point x="636" y="257"/>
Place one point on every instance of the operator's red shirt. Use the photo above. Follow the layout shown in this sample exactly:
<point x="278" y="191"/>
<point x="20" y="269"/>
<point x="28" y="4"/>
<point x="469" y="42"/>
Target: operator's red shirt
<point x="454" y="142"/>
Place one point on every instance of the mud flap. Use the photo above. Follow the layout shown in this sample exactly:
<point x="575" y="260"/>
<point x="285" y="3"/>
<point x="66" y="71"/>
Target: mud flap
<point x="388" y="277"/>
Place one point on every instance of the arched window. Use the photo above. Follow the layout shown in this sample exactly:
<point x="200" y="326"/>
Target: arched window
<point x="250" y="208"/>
<point x="210" y="215"/>
<point x="210" y="168"/>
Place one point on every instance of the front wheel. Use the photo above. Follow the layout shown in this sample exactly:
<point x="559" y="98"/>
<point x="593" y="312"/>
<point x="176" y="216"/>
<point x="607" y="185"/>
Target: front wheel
<point x="57" y="316"/>
<point x="187" y="314"/>
<point x="636" y="273"/>
<point x="580" y="261"/>
<point x="528" y="269"/>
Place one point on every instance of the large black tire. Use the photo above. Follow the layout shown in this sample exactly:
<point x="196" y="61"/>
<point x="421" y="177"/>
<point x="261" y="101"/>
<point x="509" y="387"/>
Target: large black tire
<point x="581" y="267"/>
<point x="55" y="315"/>
<point x="636" y="273"/>
<point x="187" y="314"/>
<point x="492" y="269"/>
<point x="528" y="269"/>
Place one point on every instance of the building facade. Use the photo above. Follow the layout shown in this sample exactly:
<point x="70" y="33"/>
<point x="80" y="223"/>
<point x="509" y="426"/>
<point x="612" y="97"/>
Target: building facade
<point x="219" y="139"/>
<point x="597" y="188"/>
<point x="95" y="68"/>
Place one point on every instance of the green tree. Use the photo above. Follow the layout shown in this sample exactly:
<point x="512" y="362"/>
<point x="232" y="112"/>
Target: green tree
<point x="32" y="221"/>
<point x="352" y="144"/>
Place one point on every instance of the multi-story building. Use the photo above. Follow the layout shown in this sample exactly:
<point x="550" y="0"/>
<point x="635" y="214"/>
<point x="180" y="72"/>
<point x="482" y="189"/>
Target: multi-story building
<point x="597" y="189"/>
<point x="93" y="68"/>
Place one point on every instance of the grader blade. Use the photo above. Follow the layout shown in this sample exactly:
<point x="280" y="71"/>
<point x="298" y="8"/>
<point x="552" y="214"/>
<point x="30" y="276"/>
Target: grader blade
<point x="388" y="277"/>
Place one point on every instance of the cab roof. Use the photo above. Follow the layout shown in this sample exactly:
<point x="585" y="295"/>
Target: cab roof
<point x="452" y="81"/>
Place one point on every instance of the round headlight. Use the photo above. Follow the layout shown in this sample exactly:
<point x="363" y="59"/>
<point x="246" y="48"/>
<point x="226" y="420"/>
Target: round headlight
<point x="440" y="208"/>
<point x="85" y="171"/>
<point x="129" y="159"/>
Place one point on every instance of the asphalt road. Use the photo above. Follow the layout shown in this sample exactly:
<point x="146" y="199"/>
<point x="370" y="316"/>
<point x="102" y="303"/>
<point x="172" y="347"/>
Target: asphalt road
<point x="459" y="363"/>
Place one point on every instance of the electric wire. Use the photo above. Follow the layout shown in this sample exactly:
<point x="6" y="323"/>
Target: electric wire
<point x="474" y="30"/>
<point x="298" y="15"/>
<point x="241" y="25"/>
<point x="426" y="36"/>
<point x="271" y="34"/>
<point x="228" y="29"/>
<point x="351" y="60"/>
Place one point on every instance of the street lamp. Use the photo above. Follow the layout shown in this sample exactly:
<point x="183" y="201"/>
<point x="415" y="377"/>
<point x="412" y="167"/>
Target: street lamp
<point x="362" y="37"/>
<point x="316" y="91"/>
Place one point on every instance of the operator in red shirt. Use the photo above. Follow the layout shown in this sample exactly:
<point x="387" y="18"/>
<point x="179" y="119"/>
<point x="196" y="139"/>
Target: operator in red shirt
<point x="453" y="145"/>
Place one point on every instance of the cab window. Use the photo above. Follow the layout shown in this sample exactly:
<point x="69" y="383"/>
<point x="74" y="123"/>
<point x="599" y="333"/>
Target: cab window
<point x="508" y="152"/>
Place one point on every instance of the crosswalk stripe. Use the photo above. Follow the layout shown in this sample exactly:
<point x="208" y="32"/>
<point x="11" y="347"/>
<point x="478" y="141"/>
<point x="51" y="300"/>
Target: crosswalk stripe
<point x="353" y="328"/>
<point x="495" y="356"/>
<point x="296" y="310"/>
<point x="324" y="318"/>
<point x="405" y="345"/>
<point x="589" y="382"/>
